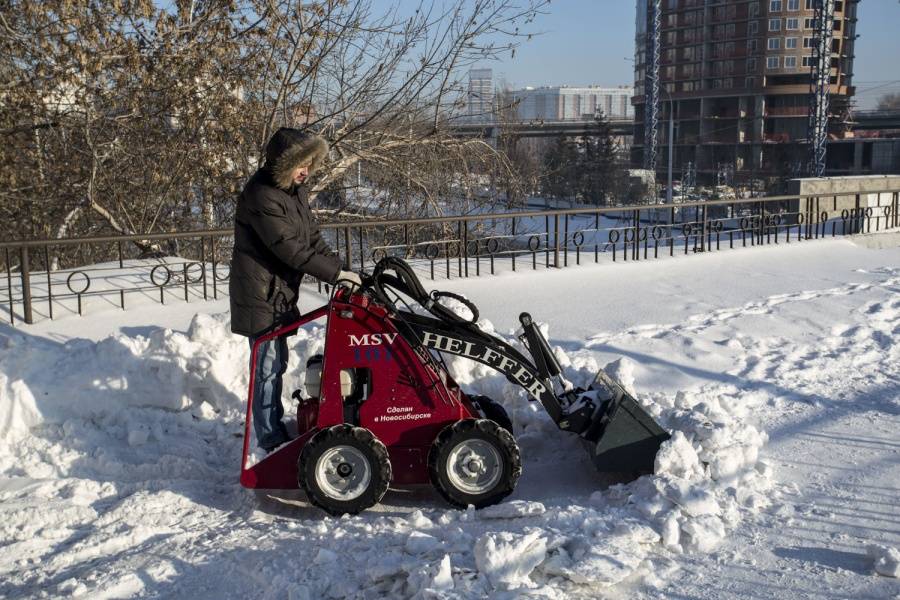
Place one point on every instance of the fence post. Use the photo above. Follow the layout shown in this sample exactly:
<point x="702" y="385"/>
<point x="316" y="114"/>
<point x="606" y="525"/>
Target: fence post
<point x="26" y="284"/>
<point x="556" y="241"/>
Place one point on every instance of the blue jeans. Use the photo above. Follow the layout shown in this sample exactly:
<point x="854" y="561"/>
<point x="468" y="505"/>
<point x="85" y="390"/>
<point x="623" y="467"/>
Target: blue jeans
<point x="271" y="363"/>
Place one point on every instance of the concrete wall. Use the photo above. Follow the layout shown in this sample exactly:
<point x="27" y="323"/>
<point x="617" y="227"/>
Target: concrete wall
<point x="867" y="186"/>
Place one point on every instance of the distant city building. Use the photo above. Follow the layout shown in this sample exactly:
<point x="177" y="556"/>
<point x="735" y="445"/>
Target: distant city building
<point x="573" y="103"/>
<point x="481" y="95"/>
<point x="737" y="75"/>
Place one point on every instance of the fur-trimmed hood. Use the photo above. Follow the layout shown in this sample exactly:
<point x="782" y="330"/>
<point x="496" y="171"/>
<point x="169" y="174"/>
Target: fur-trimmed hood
<point x="291" y="148"/>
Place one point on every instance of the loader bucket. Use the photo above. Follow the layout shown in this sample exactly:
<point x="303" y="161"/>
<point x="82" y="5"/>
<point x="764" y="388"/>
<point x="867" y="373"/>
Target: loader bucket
<point x="625" y="439"/>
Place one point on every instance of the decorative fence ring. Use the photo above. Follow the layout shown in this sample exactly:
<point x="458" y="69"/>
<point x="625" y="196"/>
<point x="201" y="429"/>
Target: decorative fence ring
<point x="431" y="251"/>
<point x="687" y="229"/>
<point x="455" y="249"/>
<point x="469" y="247"/>
<point x="492" y="245"/>
<point x="869" y="211"/>
<point x="187" y="272"/>
<point x="776" y="220"/>
<point x="614" y="236"/>
<point x="409" y="252"/>
<point x="845" y="214"/>
<point x="887" y="211"/>
<point x="153" y="275"/>
<point x="801" y="219"/>
<point x="534" y="243"/>
<point x="378" y="254"/>
<point x="578" y="239"/>
<point x="629" y="235"/>
<point x="824" y="215"/>
<point x="745" y="223"/>
<point x="642" y="236"/>
<point x="87" y="282"/>
<point x="215" y="268"/>
<point x="657" y="232"/>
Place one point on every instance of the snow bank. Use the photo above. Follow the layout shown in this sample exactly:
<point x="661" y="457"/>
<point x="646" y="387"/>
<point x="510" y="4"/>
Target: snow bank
<point x="136" y="436"/>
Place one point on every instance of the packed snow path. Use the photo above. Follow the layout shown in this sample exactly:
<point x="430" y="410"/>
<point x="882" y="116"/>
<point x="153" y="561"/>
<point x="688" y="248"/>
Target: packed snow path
<point x="119" y="454"/>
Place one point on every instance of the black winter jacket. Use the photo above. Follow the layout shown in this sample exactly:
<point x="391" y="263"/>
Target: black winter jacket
<point x="276" y="239"/>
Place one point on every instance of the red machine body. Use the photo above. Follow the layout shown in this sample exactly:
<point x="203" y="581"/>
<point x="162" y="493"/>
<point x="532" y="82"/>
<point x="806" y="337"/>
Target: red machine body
<point x="408" y="397"/>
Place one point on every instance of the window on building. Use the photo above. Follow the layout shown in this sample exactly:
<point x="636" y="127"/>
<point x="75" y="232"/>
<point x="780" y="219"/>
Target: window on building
<point x="670" y="73"/>
<point x="750" y="82"/>
<point x="753" y="9"/>
<point x="774" y="43"/>
<point x="774" y="24"/>
<point x="793" y="4"/>
<point x="752" y="45"/>
<point x="670" y="54"/>
<point x="808" y="42"/>
<point x="809" y="23"/>
<point x="792" y="23"/>
<point x="811" y="4"/>
<point x="774" y="5"/>
<point x="790" y="43"/>
<point x="772" y="62"/>
<point x="754" y="27"/>
<point x="728" y="83"/>
<point x="717" y="83"/>
<point x="790" y="62"/>
<point x="807" y="61"/>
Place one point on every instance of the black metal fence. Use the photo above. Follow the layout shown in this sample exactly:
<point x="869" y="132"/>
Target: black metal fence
<point x="44" y="278"/>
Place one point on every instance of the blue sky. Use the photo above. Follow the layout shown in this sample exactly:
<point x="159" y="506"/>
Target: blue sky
<point x="587" y="41"/>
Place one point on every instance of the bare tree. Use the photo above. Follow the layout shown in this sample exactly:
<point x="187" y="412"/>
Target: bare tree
<point x="123" y="115"/>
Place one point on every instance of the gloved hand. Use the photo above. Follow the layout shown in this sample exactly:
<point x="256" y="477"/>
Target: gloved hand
<point x="349" y="277"/>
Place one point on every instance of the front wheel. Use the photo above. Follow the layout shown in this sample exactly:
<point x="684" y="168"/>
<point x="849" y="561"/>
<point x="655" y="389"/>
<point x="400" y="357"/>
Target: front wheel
<point x="344" y="469"/>
<point x="475" y="462"/>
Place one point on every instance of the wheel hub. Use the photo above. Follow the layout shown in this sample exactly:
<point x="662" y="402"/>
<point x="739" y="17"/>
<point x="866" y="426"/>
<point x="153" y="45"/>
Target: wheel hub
<point x="474" y="466"/>
<point x="343" y="473"/>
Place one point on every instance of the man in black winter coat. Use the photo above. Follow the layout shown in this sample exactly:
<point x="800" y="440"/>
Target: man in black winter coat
<point x="276" y="243"/>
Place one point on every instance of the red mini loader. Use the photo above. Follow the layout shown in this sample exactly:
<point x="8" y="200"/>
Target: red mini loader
<point x="383" y="408"/>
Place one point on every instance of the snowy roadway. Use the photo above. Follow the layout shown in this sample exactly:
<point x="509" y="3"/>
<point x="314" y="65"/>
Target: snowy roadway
<point x="778" y="368"/>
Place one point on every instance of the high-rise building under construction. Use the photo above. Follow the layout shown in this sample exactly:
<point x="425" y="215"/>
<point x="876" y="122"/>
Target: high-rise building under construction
<point x="738" y="78"/>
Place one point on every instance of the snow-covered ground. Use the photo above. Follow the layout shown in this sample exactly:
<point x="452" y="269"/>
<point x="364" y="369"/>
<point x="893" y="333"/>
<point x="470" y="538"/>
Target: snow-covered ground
<point x="777" y="369"/>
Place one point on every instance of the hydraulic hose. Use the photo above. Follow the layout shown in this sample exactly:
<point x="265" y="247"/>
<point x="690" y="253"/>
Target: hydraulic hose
<point x="407" y="282"/>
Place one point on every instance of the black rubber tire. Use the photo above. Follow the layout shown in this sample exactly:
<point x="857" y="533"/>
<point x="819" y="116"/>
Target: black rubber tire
<point x="482" y="429"/>
<point x="345" y="435"/>
<point x="493" y="410"/>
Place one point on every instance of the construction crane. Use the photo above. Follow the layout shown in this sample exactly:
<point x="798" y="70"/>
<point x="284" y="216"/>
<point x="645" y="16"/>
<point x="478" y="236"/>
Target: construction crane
<point x="651" y="104"/>
<point x="819" y="86"/>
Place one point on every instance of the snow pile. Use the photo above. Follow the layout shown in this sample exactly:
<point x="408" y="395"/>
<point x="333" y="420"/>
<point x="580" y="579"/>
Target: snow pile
<point x="886" y="560"/>
<point x="135" y="439"/>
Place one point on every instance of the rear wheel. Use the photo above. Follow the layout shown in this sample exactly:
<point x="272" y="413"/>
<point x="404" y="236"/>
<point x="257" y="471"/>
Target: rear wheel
<point x="344" y="469"/>
<point x="474" y="462"/>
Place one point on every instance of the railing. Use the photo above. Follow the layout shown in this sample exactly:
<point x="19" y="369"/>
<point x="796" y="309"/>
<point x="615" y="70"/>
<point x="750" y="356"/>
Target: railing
<point x="44" y="278"/>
